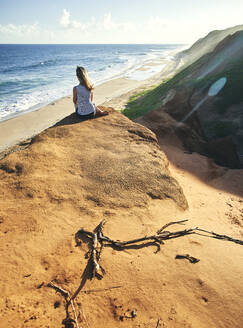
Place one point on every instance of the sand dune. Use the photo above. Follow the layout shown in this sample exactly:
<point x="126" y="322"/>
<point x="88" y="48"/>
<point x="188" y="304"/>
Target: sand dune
<point x="75" y="174"/>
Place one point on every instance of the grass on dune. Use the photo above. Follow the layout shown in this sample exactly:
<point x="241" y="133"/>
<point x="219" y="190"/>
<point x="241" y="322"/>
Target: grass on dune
<point x="151" y="99"/>
<point x="141" y="103"/>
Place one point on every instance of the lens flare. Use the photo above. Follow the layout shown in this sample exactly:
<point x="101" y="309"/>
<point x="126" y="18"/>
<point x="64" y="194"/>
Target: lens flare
<point x="217" y="86"/>
<point x="213" y="91"/>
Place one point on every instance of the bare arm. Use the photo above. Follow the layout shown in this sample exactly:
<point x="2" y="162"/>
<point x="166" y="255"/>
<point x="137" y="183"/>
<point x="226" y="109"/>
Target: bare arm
<point x="92" y="95"/>
<point x="75" y="96"/>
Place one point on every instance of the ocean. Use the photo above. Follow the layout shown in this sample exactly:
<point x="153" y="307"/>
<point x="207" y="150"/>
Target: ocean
<point x="32" y="76"/>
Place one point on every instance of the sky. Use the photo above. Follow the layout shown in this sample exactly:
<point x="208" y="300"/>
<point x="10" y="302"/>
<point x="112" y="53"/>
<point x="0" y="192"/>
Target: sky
<point x="115" y="21"/>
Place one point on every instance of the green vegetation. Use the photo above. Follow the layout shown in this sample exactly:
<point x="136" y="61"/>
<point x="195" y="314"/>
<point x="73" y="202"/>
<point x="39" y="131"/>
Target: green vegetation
<point x="141" y="103"/>
<point x="151" y="99"/>
<point x="140" y="94"/>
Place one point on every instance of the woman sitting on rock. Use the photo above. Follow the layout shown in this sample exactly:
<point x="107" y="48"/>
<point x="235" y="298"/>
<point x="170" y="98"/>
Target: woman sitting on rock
<point x="83" y="97"/>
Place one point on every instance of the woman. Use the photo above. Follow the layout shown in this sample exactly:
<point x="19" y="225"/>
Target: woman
<point x="83" y="96"/>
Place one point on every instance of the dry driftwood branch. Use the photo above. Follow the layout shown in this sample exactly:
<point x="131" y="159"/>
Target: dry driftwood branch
<point x="165" y="235"/>
<point x="99" y="230"/>
<point x="169" y="224"/>
<point x="96" y="249"/>
<point x="68" y="322"/>
<point x="218" y="236"/>
<point x="58" y="289"/>
<point x="98" y="241"/>
<point x="190" y="258"/>
<point x="158" y="323"/>
<point x="75" y="315"/>
<point x="157" y="239"/>
<point x="100" y="289"/>
<point x="96" y="269"/>
<point x="99" y="238"/>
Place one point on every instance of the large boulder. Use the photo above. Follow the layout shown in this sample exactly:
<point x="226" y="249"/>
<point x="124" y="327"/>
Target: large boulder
<point x="109" y="161"/>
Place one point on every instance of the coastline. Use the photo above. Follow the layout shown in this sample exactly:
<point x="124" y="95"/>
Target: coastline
<point x="116" y="169"/>
<point x="113" y="93"/>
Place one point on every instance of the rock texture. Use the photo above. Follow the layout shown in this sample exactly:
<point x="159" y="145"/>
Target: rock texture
<point x="109" y="162"/>
<point x="50" y="189"/>
<point x="77" y="173"/>
<point x="211" y="122"/>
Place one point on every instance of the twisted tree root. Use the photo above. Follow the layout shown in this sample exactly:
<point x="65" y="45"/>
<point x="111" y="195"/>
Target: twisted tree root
<point x="99" y="241"/>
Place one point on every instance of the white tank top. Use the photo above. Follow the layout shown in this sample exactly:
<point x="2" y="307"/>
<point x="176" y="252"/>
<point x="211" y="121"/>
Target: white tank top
<point x="85" y="105"/>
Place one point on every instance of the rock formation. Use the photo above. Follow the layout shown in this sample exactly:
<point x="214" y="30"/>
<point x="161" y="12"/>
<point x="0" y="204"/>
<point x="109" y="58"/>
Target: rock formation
<point x="205" y="101"/>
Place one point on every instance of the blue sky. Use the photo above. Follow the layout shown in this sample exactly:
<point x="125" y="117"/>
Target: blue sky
<point x="115" y="21"/>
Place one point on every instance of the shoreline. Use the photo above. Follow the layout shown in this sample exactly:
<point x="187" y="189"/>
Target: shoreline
<point x="113" y="93"/>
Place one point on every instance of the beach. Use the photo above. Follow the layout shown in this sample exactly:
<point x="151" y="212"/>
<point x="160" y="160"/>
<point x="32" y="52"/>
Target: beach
<point x="114" y="93"/>
<point x="57" y="190"/>
<point x="130" y="215"/>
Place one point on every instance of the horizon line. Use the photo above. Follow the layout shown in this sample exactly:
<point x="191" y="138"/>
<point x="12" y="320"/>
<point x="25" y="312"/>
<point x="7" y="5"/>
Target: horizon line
<point x="94" y="44"/>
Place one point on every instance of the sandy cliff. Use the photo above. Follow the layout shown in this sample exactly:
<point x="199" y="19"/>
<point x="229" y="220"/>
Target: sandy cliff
<point x="76" y="173"/>
<point x="69" y="176"/>
<point x="204" y="101"/>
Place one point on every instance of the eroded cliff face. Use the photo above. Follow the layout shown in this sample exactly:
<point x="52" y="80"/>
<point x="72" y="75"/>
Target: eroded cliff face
<point x="206" y="102"/>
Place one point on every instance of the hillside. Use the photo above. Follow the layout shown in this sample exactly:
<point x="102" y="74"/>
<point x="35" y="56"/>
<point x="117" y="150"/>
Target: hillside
<point x="206" y="44"/>
<point x="207" y="120"/>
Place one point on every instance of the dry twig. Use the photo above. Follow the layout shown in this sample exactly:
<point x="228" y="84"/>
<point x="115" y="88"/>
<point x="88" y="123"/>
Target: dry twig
<point x="158" y="323"/>
<point x="58" y="289"/>
<point x="98" y="241"/>
<point x="156" y="239"/>
<point x="190" y="258"/>
<point x="68" y="322"/>
<point x="99" y="290"/>
<point x="218" y="236"/>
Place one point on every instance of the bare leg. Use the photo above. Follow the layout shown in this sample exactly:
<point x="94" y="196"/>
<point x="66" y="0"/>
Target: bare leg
<point x="100" y="112"/>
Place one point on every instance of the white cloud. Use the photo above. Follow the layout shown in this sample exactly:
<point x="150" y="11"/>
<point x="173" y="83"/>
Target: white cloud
<point x="77" y="25"/>
<point x="104" y="30"/>
<point x="107" y="29"/>
<point x="65" y="19"/>
<point x="110" y="24"/>
<point x="83" y="26"/>
<point x="19" y="29"/>
<point x="107" y="22"/>
<point x="69" y="24"/>
<point x="32" y="33"/>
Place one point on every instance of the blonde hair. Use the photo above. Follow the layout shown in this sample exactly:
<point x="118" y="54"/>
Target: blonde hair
<point x="83" y="78"/>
